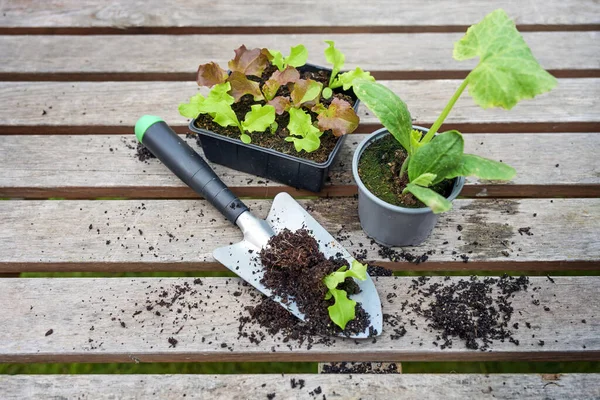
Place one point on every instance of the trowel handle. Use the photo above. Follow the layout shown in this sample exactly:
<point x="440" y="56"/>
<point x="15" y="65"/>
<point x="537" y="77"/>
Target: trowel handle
<point x="188" y="165"/>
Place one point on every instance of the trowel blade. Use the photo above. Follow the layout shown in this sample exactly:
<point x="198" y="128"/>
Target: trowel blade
<point x="242" y="258"/>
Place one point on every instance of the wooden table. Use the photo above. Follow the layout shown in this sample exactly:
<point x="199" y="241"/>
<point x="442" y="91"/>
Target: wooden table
<point x="76" y="75"/>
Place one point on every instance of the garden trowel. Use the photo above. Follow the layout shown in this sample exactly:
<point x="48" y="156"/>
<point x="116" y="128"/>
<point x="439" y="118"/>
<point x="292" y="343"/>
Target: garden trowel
<point x="241" y="258"/>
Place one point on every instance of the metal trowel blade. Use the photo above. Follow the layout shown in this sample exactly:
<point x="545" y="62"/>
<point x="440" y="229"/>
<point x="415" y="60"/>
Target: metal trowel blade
<point x="242" y="258"/>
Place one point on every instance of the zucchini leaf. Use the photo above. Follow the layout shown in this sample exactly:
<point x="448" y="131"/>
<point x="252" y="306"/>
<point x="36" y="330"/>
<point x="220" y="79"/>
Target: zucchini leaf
<point x="339" y="117"/>
<point x="249" y="62"/>
<point x="336" y="58"/>
<point x="241" y="85"/>
<point x="259" y="118"/>
<point x="472" y="165"/>
<point x="507" y="71"/>
<point x="431" y="199"/>
<point x="440" y="156"/>
<point x="210" y="74"/>
<point x="389" y="108"/>
<point x="424" y="180"/>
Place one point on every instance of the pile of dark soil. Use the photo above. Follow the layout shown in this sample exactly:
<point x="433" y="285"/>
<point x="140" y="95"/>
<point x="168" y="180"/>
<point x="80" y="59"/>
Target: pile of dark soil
<point x="277" y="141"/>
<point x="476" y="311"/>
<point x="294" y="270"/>
<point x="142" y="153"/>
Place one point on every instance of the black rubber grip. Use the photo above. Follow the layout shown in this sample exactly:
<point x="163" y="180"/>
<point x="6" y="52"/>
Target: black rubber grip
<point x="191" y="168"/>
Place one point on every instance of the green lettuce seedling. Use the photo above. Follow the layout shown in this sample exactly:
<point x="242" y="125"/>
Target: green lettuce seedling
<point x="218" y="105"/>
<point x="297" y="58"/>
<point x="303" y="133"/>
<point x="343" y="310"/>
<point x="345" y="80"/>
<point x="506" y="74"/>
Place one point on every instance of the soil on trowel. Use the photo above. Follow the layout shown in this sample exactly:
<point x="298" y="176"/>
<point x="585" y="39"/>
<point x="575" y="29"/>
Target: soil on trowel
<point x="294" y="269"/>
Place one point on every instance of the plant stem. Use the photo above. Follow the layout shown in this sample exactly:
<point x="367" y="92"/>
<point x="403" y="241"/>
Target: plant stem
<point x="438" y="122"/>
<point x="404" y="166"/>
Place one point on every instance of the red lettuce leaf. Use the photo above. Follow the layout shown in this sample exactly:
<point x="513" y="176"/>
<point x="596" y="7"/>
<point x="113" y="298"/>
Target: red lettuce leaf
<point x="249" y="62"/>
<point x="241" y="85"/>
<point x="339" y="117"/>
<point x="281" y="104"/>
<point x="210" y="74"/>
<point x="279" y="78"/>
<point x="305" y="92"/>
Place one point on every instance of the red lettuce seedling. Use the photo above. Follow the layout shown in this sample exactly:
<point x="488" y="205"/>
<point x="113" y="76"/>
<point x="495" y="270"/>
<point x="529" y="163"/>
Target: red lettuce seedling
<point x="343" y="310"/>
<point x="507" y="73"/>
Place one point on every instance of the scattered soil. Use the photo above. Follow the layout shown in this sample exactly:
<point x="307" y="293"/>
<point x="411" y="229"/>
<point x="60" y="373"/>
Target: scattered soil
<point x="476" y="311"/>
<point x="379" y="168"/>
<point x="142" y="153"/>
<point x="276" y="140"/>
<point x="294" y="270"/>
<point x="360" y="368"/>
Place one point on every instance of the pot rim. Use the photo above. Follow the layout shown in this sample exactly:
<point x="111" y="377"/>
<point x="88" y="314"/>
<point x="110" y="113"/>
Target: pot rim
<point x="458" y="185"/>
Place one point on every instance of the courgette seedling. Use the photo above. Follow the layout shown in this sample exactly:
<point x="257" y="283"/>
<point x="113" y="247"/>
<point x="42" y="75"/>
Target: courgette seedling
<point x="506" y="74"/>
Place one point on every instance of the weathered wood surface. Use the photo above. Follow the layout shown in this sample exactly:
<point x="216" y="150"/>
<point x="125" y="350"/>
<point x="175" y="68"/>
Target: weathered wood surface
<point x="106" y="320"/>
<point x="386" y="55"/>
<point x="235" y="387"/>
<point x="108" y="107"/>
<point x="119" y="235"/>
<point x="339" y="13"/>
<point x="106" y="166"/>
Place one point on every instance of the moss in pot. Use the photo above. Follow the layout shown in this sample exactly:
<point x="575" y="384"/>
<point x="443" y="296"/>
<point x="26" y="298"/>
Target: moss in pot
<point x="426" y="170"/>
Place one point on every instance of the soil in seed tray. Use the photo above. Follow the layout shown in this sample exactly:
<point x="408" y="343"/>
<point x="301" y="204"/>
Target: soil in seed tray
<point x="294" y="269"/>
<point x="276" y="140"/>
<point x="379" y="170"/>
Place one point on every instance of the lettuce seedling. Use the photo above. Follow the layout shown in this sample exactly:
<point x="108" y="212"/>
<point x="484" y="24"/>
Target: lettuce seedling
<point x="343" y="310"/>
<point x="297" y="58"/>
<point x="506" y="74"/>
<point x="345" y="80"/>
<point x="218" y="105"/>
<point x="303" y="133"/>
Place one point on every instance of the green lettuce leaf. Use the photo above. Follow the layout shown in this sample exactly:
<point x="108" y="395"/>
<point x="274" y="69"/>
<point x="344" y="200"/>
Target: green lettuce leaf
<point x="193" y="108"/>
<point x="249" y="62"/>
<point x="343" y="310"/>
<point x="277" y="59"/>
<point x="440" y="156"/>
<point x="241" y="85"/>
<point x="305" y="91"/>
<point x="279" y="78"/>
<point x="303" y="133"/>
<point x="259" y="118"/>
<point x="507" y="71"/>
<point x="218" y="105"/>
<point x="347" y="79"/>
<point x="472" y="165"/>
<point x="334" y="57"/>
<point x="436" y="202"/>
<point x="210" y="74"/>
<point x="388" y="107"/>
<point x="339" y="117"/>
<point x="297" y="58"/>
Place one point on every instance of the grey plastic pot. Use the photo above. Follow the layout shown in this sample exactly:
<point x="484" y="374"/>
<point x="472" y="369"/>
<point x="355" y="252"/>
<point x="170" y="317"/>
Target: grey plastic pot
<point x="388" y="224"/>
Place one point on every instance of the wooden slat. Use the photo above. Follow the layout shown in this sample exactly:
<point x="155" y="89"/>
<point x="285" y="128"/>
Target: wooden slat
<point x="347" y="13"/>
<point x="43" y="166"/>
<point x="388" y="56"/>
<point x="71" y="307"/>
<point x="134" y="235"/>
<point x="108" y="107"/>
<point x="235" y="387"/>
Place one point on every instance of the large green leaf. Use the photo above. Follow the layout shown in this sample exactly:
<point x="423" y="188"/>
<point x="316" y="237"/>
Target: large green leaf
<point x="472" y="165"/>
<point x="388" y="107"/>
<point x="438" y="157"/>
<point x="259" y="118"/>
<point x="431" y="199"/>
<point x="507" y="71"/>
<point x="424" y="180"/>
